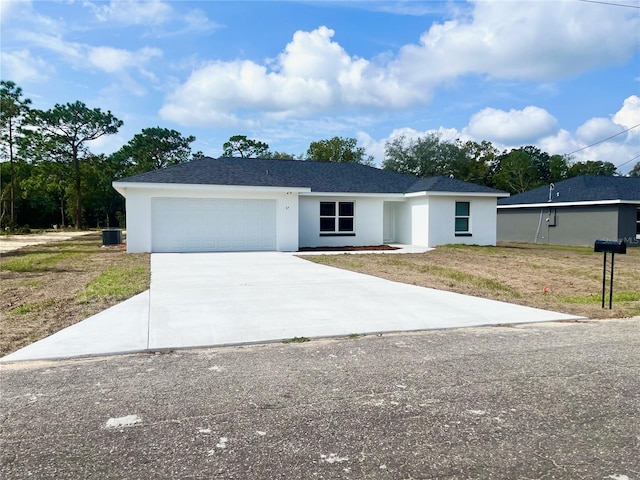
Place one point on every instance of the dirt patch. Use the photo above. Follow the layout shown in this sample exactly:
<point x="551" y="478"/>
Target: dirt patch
<point x="563" y="279"/>
<point x="348" y="249"/>
<point x="43" y="286"/>
<point x="10" y="243"/>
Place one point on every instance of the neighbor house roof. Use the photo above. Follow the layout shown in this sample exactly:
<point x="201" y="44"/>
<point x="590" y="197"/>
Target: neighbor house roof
<point x="586" y="188"/>
<point x="318" y="176"/>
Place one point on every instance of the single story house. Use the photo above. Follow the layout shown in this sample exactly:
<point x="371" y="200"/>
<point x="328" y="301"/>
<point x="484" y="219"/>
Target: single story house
<point x="232" y="204"/>
<point x="577" y="211"/>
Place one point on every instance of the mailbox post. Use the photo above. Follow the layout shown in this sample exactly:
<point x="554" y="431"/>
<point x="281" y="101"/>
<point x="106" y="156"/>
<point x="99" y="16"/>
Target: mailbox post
<point x="613" y="247"/>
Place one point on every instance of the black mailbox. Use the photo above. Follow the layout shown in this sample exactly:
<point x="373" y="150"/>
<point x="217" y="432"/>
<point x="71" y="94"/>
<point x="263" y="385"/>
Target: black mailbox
<point x="610" y="246"/>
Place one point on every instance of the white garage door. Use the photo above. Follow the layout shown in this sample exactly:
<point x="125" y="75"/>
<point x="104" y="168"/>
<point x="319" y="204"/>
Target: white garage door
<point x="211" y="225"/>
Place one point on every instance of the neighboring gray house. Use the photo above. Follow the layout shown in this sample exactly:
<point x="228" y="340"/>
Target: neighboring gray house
<point x="233" y="204"/>
<point x="577" y="211"/>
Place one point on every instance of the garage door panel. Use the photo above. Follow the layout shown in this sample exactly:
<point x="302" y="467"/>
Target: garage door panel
<point x="201" y="225"/>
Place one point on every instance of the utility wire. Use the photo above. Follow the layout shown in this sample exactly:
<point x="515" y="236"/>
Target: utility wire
<point x="611" y="3"/>
<point x="628" y="161"/>
<point x="601" y="141"/>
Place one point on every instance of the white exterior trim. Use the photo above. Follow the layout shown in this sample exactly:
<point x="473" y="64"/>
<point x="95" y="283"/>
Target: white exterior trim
<point x="571" y="204"/>
<point x="429" y="193"/>
<point x="121" y="187"/>
<point x="399" y="196"/>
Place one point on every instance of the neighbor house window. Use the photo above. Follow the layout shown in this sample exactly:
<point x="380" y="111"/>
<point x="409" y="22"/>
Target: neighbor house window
<point x="463" y="217"/>
<point x="336" y="218"/>
<point x="638" y="223"/>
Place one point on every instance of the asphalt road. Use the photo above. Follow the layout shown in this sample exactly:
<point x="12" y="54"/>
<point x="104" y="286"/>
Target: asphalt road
<point x="532" y="401"/>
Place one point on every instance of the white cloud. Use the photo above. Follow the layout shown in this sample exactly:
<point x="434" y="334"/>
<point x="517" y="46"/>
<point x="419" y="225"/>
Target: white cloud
<point x="597" y="129"/>
<point x="531" y="41"/>
<point x="20" y="66"/>
<point x="629" y="115"/>
<point x="9" y="8"/>
<point x="69" y="51"/>
<point x="82" y="56"/>
<point x="114" y="60"/>
<point x="512" y="127"/>
<point x="156" y="15"/>
<point x="133" y="12"/>
<point x="311" y="75"/>
<point x="523" y="40"/>
<point x="560" y="143"/>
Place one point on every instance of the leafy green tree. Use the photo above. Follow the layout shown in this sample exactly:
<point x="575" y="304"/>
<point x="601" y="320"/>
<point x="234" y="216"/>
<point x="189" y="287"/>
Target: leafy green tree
<point x="592" y="167"/>
<point x="558" y="168"/>
<point x="65" y="129"/>
<point x="47" y="192"/>
<point x="102" y="202"/>
<point x="156" y="148"/>
<point x="635" y="171"/>
<point x="13" y="109"/>
<point x="476" y="163"/>
<point x="338" y="149"/>
<point x="524" y="168"/>
<point x="280" y="155"/>
<point x="240" y="145"/>
<point x="517" y="172"/>
<point x="425" y="156"/>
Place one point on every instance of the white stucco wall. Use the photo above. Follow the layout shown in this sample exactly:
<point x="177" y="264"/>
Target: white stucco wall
<point x="483" y="220"/>
<point x="419" y="219"/>
<point x="413" y="221"/>
<point x="368" y="220"/>
<point x="138" y="204"/>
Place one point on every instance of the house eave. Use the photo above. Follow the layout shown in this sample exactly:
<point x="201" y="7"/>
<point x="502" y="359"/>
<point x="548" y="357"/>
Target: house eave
<point x="569" y="204"/>
<point x="398" y="196"/>
<point x="122" y="187"/>
<point x="454" y="194"/>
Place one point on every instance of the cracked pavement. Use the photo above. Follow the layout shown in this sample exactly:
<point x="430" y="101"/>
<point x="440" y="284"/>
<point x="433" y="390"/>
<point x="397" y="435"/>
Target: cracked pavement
<point x="554" y="400"/>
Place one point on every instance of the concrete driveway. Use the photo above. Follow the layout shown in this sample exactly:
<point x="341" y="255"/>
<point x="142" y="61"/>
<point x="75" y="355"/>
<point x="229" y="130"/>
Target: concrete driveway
<point x="213" y="299"/>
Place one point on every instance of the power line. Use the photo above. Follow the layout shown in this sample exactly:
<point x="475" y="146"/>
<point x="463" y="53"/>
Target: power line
<point x="611" y="3"/>
<point x="628" y="161"/>
<point x="601" y="141"/>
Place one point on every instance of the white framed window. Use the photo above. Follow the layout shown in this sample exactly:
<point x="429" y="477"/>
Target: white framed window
<point x="463" y="219"/>
<point x="638" y="223"/>
<point x="337" y="218"/>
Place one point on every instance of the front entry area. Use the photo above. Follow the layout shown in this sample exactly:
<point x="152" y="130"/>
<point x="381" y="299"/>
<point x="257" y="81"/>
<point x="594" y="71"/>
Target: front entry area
<point x="212" y="225"/>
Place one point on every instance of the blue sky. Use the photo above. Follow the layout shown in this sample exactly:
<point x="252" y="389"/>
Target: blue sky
<point x="560" y="75"/>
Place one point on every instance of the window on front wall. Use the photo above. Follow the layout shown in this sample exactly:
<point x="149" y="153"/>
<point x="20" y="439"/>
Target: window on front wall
<point x="463" y="218"/>
<point x="336" y="218"/>
<point x="638" y="223"/>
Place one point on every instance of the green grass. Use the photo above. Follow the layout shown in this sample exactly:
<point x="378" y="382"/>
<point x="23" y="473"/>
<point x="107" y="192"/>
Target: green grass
<point x="617" y="297"/>
<point x="34" y="262"/>
<point x="351" y="262"/>
<point x="467" y="278"/>
<point x="121" y="282"/>
<point x="22" y="309"/>
<point x="32" y="307"/>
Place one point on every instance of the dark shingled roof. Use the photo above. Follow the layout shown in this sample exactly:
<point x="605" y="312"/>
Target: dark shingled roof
<point x="318" y="176"/>
<point x="446" y="184"/>
<point x="586" y="188"/>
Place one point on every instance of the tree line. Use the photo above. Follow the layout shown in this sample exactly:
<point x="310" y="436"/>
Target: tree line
<point x="49" y="176"/>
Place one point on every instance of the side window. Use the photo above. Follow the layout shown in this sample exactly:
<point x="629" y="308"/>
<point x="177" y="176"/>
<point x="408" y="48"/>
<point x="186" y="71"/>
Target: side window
<point x="638" y="223"/>
<point x="327" y="216"/>
<point x="337" y="218"/>
<point x="463" y="218"/>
